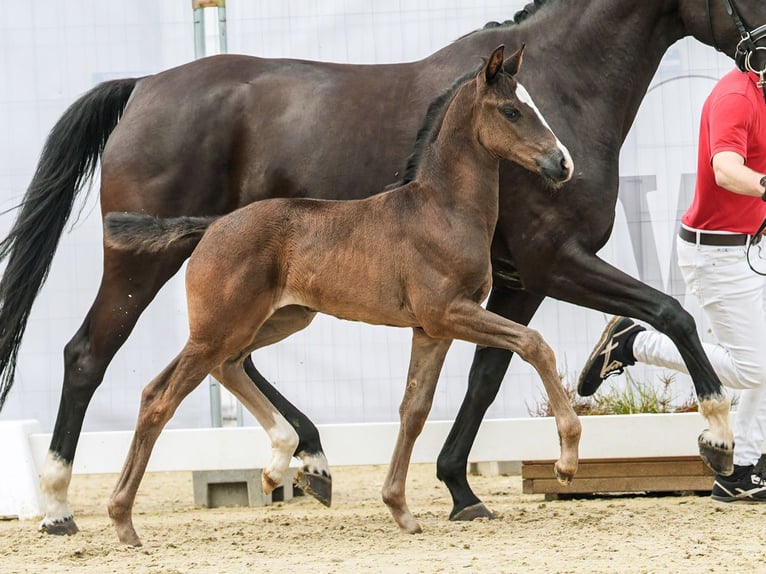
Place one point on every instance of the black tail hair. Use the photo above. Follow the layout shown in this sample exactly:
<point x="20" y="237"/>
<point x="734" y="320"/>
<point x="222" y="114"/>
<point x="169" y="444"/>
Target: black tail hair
<point x="68" y="159"/>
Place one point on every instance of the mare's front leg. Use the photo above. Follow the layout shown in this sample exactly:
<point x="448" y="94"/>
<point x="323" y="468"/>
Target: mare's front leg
<point x="486" y="375"/>
<point x="584" y="279"/>
<point x="128" y="284"/>
<point x="159" y="401"/>
<point x="426" y="360"/>
<point x="467" y="320"/>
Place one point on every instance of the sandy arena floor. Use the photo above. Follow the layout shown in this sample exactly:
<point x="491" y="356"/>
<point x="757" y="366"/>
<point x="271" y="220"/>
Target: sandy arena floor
<point x="627" y="535"/>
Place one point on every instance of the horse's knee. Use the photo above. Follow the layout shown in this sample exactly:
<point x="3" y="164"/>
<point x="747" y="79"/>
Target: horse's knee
<point x="535" y="349"/>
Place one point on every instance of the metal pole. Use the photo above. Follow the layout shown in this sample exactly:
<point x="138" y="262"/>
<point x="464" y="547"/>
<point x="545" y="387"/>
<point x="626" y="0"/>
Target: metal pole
<point x="216" y="415"/>
<point x="222" y="26"/>
<point x="199" y="33"/>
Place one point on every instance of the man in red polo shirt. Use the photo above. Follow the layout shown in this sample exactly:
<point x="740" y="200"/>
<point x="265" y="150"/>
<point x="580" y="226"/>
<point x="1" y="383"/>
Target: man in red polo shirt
<point x="728" y="207"/>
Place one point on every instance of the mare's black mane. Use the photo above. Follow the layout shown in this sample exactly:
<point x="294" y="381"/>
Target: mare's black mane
<point x="432" y="120"/>
<point x="519" y="17"/>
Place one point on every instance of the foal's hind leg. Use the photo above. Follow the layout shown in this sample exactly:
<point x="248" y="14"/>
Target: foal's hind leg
<point x="315" y="477"/>
<point x="128" y="285"/>
<point x="159" y="401"/>
<point x="426" y="360"/>
<point x="283" y="437"/>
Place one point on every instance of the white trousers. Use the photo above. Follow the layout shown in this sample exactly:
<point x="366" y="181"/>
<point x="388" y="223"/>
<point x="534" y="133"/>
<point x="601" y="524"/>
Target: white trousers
<point x="732" y="298"/>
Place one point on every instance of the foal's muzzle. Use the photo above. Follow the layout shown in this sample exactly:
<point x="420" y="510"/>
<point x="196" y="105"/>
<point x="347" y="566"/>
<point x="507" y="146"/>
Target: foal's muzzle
<point x="557" y="167"/>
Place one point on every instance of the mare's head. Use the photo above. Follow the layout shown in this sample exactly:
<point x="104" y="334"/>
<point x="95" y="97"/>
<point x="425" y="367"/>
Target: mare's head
<point x="510" y="126"/>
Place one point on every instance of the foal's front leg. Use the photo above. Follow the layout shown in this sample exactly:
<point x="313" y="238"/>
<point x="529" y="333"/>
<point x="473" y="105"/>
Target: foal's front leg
<point x="426" y="360"/>
<point x="468" y="321"/>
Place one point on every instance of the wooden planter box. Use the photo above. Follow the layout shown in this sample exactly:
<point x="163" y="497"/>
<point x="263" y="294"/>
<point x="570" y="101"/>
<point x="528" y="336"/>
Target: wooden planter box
<point x="672" y="474"/>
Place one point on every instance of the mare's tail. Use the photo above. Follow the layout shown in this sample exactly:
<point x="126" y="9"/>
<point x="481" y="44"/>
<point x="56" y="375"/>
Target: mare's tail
<point x="147" y="234"/>
<point x="68" y="159"/>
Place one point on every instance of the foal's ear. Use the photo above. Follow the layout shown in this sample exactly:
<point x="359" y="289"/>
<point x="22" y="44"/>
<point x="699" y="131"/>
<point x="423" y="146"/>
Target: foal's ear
<point x="494" y="64"/>
<point x="513" y="64"/>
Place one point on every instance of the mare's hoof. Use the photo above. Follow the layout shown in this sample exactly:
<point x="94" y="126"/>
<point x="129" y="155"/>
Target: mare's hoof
<point x="717" y="456"/>
<point x="61" y="527"/>
<point x="472" y="512"/>
<point x="317" y="485"/>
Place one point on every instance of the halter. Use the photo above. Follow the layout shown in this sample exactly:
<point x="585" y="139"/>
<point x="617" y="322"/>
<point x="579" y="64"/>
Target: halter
<point x="747" y="40"/>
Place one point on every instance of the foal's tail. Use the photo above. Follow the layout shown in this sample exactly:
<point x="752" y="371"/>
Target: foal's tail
<point x="68" y="159"/>
<point x="147" y="234"/>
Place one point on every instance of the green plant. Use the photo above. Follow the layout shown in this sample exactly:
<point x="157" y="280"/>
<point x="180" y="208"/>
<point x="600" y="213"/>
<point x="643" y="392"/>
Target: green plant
<point x="634" y="397"/>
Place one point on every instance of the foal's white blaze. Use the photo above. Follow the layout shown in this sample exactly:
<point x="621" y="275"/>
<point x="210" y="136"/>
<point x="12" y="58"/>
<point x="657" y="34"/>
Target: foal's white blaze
<point x="523" y="95"/>
<point x="54" y="482"/>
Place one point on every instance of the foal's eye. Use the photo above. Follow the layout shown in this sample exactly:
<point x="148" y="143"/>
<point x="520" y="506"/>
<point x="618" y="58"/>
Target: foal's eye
<point x="511" y="113"/>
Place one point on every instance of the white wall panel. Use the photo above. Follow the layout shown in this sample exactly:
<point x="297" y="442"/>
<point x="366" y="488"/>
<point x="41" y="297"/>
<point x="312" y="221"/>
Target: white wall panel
<point x="51" y="52"/>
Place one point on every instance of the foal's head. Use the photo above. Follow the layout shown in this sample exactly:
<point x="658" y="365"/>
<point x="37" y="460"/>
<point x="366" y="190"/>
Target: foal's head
<point x="510" y="126"/>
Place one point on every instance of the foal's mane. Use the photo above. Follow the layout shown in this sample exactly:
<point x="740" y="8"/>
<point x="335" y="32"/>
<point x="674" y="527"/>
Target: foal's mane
<point x="435" y="114"/>
<point x="429" y="129"/>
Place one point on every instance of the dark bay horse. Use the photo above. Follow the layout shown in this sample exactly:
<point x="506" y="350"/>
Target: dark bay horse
<point x="210" y="136"/>
<point x="328" y="256"/>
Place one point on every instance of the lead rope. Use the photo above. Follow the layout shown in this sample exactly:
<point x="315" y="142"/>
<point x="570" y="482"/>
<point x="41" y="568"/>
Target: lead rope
<point x="755" y="239"/>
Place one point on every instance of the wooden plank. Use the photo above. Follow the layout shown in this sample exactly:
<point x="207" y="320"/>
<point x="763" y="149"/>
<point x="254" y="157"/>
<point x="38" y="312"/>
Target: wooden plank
<point x="653" y="474"/>
<point x="622" y="467"/>
<point x="619" y="484"/>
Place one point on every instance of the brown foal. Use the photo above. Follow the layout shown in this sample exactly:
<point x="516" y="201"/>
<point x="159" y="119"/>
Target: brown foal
<point x="416" y="256"/>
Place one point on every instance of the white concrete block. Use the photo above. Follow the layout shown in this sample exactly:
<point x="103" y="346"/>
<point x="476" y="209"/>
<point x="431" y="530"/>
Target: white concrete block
<point x="19" y="488"/>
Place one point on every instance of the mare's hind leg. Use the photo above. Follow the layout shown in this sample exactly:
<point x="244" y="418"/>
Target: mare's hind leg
<point x="468" y="321"/>
<point x="426" y="360"/>
<point x="159" y="401"/>
<point x="128" y="285"/>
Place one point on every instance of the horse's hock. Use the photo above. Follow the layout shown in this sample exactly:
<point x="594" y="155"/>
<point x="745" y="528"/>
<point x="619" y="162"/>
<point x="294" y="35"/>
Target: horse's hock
<point x="240" y="487"/>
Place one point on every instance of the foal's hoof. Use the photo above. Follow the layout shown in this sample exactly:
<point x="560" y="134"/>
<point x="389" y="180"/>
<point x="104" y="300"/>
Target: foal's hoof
<point x="317" y="485"/>
<point x="719" y="457"/>
<point x="563" y="477"/>
<point x="60" y="527"/>
<point x="472" y="512"/>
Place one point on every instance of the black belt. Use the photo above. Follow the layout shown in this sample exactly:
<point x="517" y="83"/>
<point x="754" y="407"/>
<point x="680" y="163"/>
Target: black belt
<point x="720" y="239"/>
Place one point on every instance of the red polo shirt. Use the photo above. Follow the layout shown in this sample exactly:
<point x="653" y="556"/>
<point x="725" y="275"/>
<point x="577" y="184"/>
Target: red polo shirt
<point x="733" y="119"/>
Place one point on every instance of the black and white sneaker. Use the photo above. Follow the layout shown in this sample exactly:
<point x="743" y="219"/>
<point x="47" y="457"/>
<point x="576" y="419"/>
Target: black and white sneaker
<point x="744" y="485"/>
<point x="612" y="354"/>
